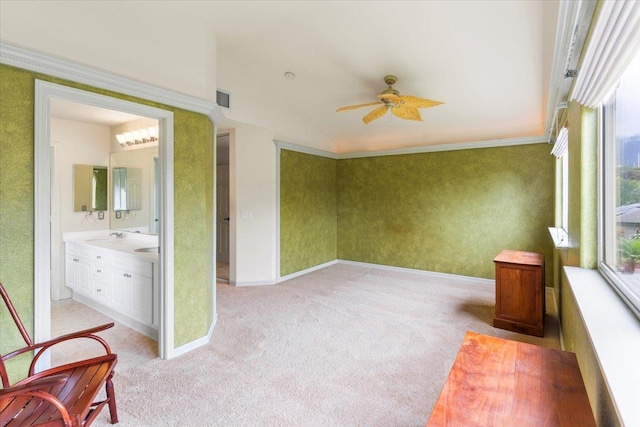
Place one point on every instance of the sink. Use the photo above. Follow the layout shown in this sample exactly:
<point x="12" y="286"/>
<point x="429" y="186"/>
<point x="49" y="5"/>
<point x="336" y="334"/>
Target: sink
<point x="154" y="249"/>
<point x="104" y="239"/>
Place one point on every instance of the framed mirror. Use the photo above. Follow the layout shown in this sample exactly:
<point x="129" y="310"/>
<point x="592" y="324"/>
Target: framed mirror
<point x="90" y="188"/>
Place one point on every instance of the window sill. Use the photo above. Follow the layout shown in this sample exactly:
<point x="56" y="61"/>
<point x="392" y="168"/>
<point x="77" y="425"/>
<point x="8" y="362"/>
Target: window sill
<point x="560" y="237"/>
<point x="614" y="332"/>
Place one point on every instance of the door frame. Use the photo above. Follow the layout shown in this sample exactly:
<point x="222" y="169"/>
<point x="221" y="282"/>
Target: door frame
<point x="44" y="91"/>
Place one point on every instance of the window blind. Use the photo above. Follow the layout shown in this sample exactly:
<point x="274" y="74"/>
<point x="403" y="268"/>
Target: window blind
<point x="561" y="144"/>
<point x="614" y="41"/>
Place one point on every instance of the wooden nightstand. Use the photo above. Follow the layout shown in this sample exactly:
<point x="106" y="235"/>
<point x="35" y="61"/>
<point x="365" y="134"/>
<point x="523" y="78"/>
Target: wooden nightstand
<point x="520" y="302"/>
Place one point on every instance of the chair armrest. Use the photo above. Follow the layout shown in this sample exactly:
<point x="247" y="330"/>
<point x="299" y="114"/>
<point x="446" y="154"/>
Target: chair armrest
<point x="45" y="345"/>
<point x="35" y="388"/>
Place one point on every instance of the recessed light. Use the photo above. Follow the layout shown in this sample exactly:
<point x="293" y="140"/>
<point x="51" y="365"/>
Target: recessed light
<point x="289" y="75"/>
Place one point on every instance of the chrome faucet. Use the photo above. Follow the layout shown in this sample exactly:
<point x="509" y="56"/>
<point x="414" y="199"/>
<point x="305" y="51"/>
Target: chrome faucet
<point x="118" y="234"/>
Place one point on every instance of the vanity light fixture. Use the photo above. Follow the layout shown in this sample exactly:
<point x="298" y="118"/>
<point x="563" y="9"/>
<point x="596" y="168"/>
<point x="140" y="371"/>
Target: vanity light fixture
<point x="136" y="137"/>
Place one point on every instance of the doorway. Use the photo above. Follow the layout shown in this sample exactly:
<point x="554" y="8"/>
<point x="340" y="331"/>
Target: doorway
<point x="45" y="93"/>
<point x="223" y="210"/>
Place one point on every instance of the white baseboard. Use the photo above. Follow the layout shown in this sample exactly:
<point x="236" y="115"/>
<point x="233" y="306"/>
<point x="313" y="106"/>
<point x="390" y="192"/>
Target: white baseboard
<point x="478" y="280"/>
<point x="307" y="270"/>
<point x="255" y="283"/>
<point x="179" y="351"/>
<point x="144" y="329"/>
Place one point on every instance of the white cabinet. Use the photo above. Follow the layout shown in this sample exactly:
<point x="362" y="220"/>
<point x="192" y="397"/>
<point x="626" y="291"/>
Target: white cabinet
<point x="78" y="268"/>
<point x="121" y="284"/>
<point x="132" y="287"/>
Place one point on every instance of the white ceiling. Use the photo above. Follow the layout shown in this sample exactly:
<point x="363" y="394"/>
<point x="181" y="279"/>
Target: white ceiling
<point x="488" y="61"/>
<point x="63" y="109"/>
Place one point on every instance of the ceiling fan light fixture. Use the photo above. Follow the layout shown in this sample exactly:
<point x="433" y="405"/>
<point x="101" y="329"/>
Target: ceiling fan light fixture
<point x="405" y="107"/>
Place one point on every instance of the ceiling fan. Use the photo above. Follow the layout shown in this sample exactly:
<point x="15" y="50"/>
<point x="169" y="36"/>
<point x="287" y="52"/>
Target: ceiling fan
<point x="402" y="106"/>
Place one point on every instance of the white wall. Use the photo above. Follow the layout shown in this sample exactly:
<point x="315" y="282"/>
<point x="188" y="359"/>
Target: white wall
<point x="253" y="206"/>
<point x="73" y="143"/>
<point x="161" y="44"/>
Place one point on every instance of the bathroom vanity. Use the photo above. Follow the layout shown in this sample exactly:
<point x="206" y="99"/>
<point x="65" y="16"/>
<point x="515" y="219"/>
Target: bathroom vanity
<point x="116" y="275"/>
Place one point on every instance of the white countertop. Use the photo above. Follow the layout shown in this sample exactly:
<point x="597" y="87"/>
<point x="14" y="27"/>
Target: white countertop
<point x="104" y="239"/>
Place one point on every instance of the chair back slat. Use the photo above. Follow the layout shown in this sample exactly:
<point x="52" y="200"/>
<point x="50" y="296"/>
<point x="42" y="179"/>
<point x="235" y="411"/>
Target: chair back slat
<point x="14" y="316"/>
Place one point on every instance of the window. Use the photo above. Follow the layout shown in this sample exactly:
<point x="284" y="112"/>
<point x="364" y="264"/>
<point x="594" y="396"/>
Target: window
<point x="620" y="198"/>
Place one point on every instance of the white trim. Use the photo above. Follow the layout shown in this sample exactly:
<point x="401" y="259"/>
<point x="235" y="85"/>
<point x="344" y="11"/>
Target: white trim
<point x="254" y="283"/>
<point x="278" y="154"/>
<point x="200" y="342"/>
<point x="129" y="322"/>
<point x="494" y="143"/>
<point x="44" y="91"/>
<point x="74" y="71"/>
<point x="302" y="149"/>
<point x="614" y="334"/>
<point x="574" y="18"/>
<point x="434" y="274"/>
<point x="307" y="271"/>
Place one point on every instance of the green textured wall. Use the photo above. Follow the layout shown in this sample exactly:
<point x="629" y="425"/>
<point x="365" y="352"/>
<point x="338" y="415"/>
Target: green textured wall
<point x="308" y="221"/>
<point x="449" y="212"/>
<point x="583" y="252"/>
<point x="193" y="206"/>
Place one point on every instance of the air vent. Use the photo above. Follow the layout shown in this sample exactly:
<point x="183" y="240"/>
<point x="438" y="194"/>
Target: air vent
<point x="223" y="99"/>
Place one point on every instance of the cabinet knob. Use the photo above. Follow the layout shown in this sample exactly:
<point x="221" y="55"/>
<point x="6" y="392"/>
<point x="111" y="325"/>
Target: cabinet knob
<point x="99" y="271"/>
<point x="98" y="290"/>
<point x="99" y="257"/>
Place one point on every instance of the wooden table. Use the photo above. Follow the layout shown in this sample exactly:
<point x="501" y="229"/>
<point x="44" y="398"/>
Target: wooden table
<point x="497" y="382"/>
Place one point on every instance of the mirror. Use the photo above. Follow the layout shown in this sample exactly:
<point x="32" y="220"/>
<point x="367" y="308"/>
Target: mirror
<point x="127" y="189"/>
<point x="134" y="190"/>
<point x="89" y="188"/>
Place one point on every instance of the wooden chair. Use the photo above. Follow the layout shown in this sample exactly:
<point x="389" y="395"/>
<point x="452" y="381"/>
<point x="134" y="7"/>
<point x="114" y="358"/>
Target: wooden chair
<point x="63" y="395"/>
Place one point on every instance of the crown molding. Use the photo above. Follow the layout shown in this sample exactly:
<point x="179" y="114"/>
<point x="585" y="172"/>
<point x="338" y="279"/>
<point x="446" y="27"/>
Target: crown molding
<point x="574" y="19"/>
<point x="302" y="149"/>
<point x="65" y="69"/>
<point x="494" y="143"/>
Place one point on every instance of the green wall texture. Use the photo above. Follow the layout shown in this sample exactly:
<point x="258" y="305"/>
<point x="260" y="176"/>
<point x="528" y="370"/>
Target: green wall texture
<point x="308" y="211"/>
<point x="449" y="212"/>
<point x="193" y="210"/>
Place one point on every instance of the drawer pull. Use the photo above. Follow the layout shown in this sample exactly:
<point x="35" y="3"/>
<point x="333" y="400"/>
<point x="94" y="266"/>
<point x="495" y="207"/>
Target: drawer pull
<point x="99" y="271"/>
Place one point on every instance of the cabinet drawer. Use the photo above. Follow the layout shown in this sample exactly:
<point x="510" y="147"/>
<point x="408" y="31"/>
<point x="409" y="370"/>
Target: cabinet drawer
<point x="100" y="271"/>
<point x="99" y="256"/>
<point x="100" y="291"/>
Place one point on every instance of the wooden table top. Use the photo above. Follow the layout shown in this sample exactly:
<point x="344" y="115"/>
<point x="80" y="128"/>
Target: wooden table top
<point x="497" y="382"/>
<point x="519" y="257"/>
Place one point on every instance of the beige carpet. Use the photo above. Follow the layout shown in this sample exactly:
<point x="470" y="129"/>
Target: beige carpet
<point x="343" y="346"/>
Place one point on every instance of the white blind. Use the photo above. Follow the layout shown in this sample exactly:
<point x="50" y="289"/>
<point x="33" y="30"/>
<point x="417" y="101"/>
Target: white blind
<point x="561" y="144"/>
<point x="614" y="41"/>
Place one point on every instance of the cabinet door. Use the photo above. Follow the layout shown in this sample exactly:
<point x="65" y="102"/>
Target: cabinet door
<point x="142" y="298"/>
<point x="520" y="294"/>
<point x="120" y="290"/>
<point x="84" y="276"/>
<point x="71" y="271"/>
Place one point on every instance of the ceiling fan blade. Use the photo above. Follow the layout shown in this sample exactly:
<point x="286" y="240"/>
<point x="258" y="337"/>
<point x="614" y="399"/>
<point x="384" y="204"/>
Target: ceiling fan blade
<point x="390" y="97"/>
<point x="417" y="102"/>
<point x="375" y="114"/>
<point x="353" y="107"/>
<point x="406" y="112"/>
